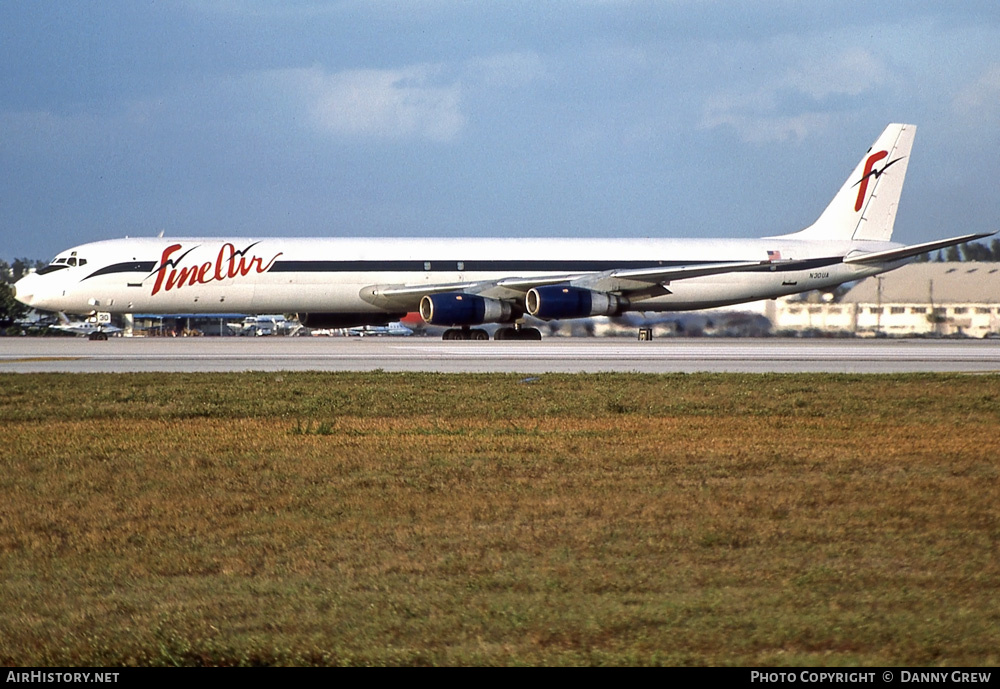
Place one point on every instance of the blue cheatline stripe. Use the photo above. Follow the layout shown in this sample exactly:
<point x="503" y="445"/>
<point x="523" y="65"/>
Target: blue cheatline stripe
<point x="584" y="266"/>
<point x="517" y="266"/>
<point x="512" y="267"/>
<point x="127" y="267"/>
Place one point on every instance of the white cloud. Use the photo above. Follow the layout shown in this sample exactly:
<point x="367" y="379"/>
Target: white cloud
<point x="507" y="70"/>
<point x="764" y="129"/>
<point x="411" y="102"/>
<point x="979" y="102"/>
<point x="790" y="107"/>
<point x="387" y="104"/>
<point x="849" y="74"/>
<point x="416" y="101"/>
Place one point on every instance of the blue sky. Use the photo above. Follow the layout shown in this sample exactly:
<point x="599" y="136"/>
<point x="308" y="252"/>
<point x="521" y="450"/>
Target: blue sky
<point x="588" y="118"/>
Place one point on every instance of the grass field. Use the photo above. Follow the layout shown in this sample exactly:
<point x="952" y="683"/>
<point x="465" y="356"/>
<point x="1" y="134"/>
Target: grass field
<point x="307" y="518"/>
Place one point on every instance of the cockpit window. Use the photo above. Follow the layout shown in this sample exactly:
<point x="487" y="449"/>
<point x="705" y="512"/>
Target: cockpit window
<point x="62" y="262"/>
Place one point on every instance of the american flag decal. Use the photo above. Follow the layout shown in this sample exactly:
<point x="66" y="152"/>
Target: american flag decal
<point x="773" y="255"/>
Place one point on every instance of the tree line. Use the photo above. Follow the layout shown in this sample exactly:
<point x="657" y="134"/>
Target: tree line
<point x="10" y="308"/>
<point x="971" y="251"/>
<point x="14" y="271"/>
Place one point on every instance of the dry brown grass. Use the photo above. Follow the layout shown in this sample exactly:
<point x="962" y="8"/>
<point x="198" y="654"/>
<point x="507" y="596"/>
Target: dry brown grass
<point x="436" y="519"/>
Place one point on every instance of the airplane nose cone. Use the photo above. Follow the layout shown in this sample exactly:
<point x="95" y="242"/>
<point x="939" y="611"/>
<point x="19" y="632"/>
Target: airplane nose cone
<point x="22" y="290"/>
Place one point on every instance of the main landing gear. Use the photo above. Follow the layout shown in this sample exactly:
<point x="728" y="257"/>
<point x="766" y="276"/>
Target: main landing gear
<point x="97" y="335"/>
<point x="504" y="333"/>
<point x="465" y="333"/>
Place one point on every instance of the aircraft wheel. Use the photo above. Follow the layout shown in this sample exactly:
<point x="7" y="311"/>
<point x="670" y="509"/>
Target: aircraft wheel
<point x="505" y="333"/>
<point x="479" y="335"/>
<point x="530" y="334"/>
<point x="452" y="334"/>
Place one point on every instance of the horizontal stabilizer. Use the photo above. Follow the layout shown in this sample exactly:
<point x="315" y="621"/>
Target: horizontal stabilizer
<point x="910" y="251"/>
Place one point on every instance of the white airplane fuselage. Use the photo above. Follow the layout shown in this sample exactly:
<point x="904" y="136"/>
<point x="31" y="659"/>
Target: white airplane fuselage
<point x="209" y="275"/>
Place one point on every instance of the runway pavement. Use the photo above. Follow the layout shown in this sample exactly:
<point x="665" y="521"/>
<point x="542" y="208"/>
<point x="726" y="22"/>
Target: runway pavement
<point x="565" y="355"/>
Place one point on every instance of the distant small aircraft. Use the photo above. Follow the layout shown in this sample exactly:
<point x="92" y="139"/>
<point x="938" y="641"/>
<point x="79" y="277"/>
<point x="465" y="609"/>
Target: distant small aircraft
<point x="273" y="324"/>
<point x="89" y="328"/>
<point x="394" y="329"/>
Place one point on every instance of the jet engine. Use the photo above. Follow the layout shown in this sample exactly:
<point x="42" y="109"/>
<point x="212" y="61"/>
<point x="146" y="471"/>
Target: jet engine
<point x="458" y="308"/>
<point x="554" y="302"/>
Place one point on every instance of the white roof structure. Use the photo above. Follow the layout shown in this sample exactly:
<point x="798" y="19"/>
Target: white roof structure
<point x="926" y="283"/>
<point x="919" y="299"/>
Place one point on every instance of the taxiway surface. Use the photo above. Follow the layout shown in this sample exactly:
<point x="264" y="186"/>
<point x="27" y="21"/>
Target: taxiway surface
<point x="564" y="355"/>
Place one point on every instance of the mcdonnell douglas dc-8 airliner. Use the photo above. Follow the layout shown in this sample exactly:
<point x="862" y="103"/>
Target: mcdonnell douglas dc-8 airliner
<point x="461" y="283"/>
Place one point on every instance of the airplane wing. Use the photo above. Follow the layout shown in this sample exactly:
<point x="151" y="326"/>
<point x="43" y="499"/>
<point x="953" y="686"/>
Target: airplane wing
<point x="516" y="284"/>
<point x="657" y="274"/>
<point x="636" y="283"/>
<point x="910" y="251"/>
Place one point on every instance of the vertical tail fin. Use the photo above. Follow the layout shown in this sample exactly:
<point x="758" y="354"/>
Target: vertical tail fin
<point x="865" y="207"/>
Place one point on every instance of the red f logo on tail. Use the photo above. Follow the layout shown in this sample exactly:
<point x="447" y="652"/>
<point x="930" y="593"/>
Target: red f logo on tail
<point x="869" y="164"/>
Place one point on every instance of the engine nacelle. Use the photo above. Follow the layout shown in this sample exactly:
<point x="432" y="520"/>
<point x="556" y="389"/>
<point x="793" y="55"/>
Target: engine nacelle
<point x="347" y="320"/>
<point x="458" y="308"/>
<point x="563" y="301"/>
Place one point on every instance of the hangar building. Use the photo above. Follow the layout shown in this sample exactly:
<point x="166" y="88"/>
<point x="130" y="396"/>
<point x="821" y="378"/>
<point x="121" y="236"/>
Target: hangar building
<point x="930" y="299"/>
